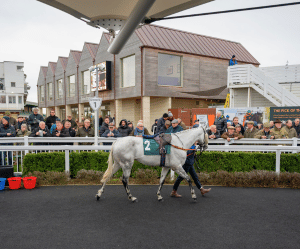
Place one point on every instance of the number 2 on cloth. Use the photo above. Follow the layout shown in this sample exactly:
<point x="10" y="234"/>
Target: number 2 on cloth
<point x="147" y="142"/>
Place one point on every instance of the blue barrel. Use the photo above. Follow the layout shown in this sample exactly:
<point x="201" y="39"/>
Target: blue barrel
<point x="2" y="183"/>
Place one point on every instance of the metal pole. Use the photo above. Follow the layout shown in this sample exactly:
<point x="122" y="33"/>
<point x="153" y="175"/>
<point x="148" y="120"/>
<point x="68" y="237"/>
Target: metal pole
<point x="136" y="17"/>
<point x="67" y="162"/>
<point x="278" y="152"/>
<point x="97" y="111"/>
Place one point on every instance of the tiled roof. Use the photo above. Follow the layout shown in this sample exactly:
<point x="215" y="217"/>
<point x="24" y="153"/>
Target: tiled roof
<point x="52" y="66"/>
<point x="63" y="61"/>
<point x="76" y="56"/>
<point x="92" y="47"/>
<point x="44" y="70"/>
<point x="181" y="41"/>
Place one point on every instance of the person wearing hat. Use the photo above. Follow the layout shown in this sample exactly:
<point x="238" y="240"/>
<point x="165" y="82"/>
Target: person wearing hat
<point x="72" y="121"/>
<point x="220" y="122"/>
<point x="231" y="134"/>
<point x="238" y="129"/>
<point x="235" y="122"/>
<point x="279" y="131"/>
<point x="175" y="127"/>
<point x="170" y="116"/>
<point x="165" y="127"/>
<point x="12" y="120"/>
<point x="34" y="119"/>
<point x="111" y="132"/>
<point x="161" y="121"/>
<point x="233" y="61"/>
<point x="196" y="123"/>
<point x="19" y="123"/>
<point x="154" y="127"/>
<point x="265" y="133"/>
<point x="251" y="130"/>
<point x="6" y="130"/>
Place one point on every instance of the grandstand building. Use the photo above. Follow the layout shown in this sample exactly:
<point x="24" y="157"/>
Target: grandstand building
<point x="158" y="69"/>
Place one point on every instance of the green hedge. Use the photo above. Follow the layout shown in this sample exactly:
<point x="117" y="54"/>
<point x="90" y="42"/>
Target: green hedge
<point x="209" y="162"/>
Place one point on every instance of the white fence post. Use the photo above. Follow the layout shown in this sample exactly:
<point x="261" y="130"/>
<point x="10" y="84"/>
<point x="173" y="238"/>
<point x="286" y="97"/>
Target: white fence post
<point x="278" y="152"/>
<point x="294" y="144"/>
<point x="172" y="174"/>
<point x="67" y="161"/>
<point x="26" y="143"/>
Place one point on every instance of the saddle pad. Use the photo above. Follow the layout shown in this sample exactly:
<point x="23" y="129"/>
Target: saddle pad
<point x="151" y="147"/>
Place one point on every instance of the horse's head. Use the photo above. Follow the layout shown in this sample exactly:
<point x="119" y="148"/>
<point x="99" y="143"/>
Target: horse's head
<point x="203" y="140"/>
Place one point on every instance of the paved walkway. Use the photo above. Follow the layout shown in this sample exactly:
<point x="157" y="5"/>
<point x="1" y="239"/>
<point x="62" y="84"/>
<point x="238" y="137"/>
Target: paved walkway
<point x="70" y="217"/>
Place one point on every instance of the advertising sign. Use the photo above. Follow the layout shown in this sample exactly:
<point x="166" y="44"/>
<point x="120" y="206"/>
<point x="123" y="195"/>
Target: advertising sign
<point x="284" y="113"/>
<point x="104" y="77"/>
<point x="203" y="120"/>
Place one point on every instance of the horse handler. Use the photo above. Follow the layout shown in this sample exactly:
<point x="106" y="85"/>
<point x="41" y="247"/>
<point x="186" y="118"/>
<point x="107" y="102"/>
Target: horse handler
<point x="189" y="168"/>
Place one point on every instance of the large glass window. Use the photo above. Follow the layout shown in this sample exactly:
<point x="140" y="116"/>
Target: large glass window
<point x="3" y="99"/>
<point x="49" y="91"/>
<point x="42" y="93"/>
<point x="59" y="89"/>
<point x="71" y="81"/>
<point x="128" y="71"/>
<point x="86" y="82"/>
<point x="11" y="99"/>
<point x="169" y="70"/>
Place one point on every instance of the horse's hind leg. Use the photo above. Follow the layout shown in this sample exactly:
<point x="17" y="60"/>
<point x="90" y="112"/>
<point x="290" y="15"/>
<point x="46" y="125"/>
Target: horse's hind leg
<point x="116" y="167"/>
<point x="180" y="171"/>
<point x="163" y="175"/>
<point x="125" y="180"/>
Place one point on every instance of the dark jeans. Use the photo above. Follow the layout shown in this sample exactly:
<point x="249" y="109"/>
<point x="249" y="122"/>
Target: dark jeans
<point x="188" y="168"/>
<point x="3" y="155"/>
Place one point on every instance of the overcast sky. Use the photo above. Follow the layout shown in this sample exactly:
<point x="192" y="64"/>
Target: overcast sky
<point x="35" y="33"/>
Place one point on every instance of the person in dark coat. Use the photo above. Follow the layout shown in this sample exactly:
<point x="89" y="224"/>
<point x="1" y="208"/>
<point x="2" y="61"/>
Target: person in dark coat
<point x="72" y="122"/>
<point x="189" y="168"/>
<point x="123" y="129"/>
<point x="296" y="125"/>
<point x="68" y="128"/>
<point x="111" y="132"/>
<point x="51" y="119"/>
<point x="41" y="131"/>
<point x="154" y="127"/>
<point x="220" y="122"/>
<point x="6" y="130"/>
<point x="100" y="121"/>
<point x="34" y="119"/>
<point x="165" y="127"/>
<point x="213" y="133"/>
<point x="59" y="131"/>
<point x="235" y="122"/>
<point x="196" y="123"/>
<point x="12" y="120"/>
<point x="104" y="126"/>
<point x="161" y="121"/>
<point x="175" y="127"/>
<point x="19" y="123"/>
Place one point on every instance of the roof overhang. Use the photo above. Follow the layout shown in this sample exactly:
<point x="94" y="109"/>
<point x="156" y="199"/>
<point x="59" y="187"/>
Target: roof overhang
<point x="126" y="15"/>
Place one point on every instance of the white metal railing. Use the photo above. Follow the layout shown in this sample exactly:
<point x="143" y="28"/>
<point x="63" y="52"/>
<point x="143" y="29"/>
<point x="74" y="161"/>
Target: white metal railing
<point x="282" y="74"/>
<point x="240" y="76"/>
<point x="27" y="146"/>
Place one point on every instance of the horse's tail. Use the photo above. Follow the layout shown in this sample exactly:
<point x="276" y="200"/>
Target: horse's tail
<point x="109" y="171"/>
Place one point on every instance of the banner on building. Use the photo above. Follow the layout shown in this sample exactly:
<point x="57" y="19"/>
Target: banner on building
<point x="244" y="114"/>
<point x="284" y="113"/>
<point x="104" y="77"/>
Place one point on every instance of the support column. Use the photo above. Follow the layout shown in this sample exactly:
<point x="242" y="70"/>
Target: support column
<point x="118" y="105"/>
<point x="80" y="111"/>
<point x="48" y="109"/>
<point x="68" y="111"/>
<point x="57" y="112"/>
<point x="169" y="103"/>
<point x="249" y="97"/>
<point x="146" y="112"/>
<point x="41" y="111"/>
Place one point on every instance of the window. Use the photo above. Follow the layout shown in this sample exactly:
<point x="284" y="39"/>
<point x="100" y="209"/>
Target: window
<point x="20" y="68"/>
<point x="86" y="84"/>
<point x="13" y="84"/>
<point x="3" y="99"/>
<point x="169" y="70"/>
<point x="128" y="71"/>
<point x="20" y="99"/>
<point x="2" y="84"/>
<point x="42" y="93"/>
<point x="49" y="91"/>
<point x="59" y="89"/>
<point x="11" y="99"/>
<point x="71" y="81"/>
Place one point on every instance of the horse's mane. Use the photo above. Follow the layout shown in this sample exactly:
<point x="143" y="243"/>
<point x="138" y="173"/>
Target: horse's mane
<point x="187" y="130"/>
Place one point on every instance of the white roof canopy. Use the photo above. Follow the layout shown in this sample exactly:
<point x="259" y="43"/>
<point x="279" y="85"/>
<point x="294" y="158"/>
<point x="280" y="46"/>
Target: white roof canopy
<point x="114" y="15"/>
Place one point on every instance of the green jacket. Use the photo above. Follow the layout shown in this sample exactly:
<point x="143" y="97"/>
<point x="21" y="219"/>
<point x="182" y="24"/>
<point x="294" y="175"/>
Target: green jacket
<point x="178" y="128"/>
<point x="261" y="133"/>
<point x="82" y="132"/>
<point x="280" y="133"/>
<point x="250" y="134"/>
<point x="23" y="134"/>
<point x="291" y="131"/>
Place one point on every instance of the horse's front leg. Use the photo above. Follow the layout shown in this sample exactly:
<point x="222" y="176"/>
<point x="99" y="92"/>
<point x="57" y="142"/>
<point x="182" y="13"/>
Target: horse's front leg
<point x="180" y="171"/>
<point x="125" y="180"/>
<point x="100" y="191"/>
<point x="163" y="175"/>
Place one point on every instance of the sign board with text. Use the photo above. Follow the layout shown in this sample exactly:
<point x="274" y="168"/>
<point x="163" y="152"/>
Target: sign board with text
<point x="284" y="113"/>
<point x="95" y="103"/>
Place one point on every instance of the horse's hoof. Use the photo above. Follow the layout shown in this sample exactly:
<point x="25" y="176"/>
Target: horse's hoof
<point x="160" y="199"/>
<point x="195" y="199"/>
<point x="133" y="199"/>
<point x="98" y="197"/>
